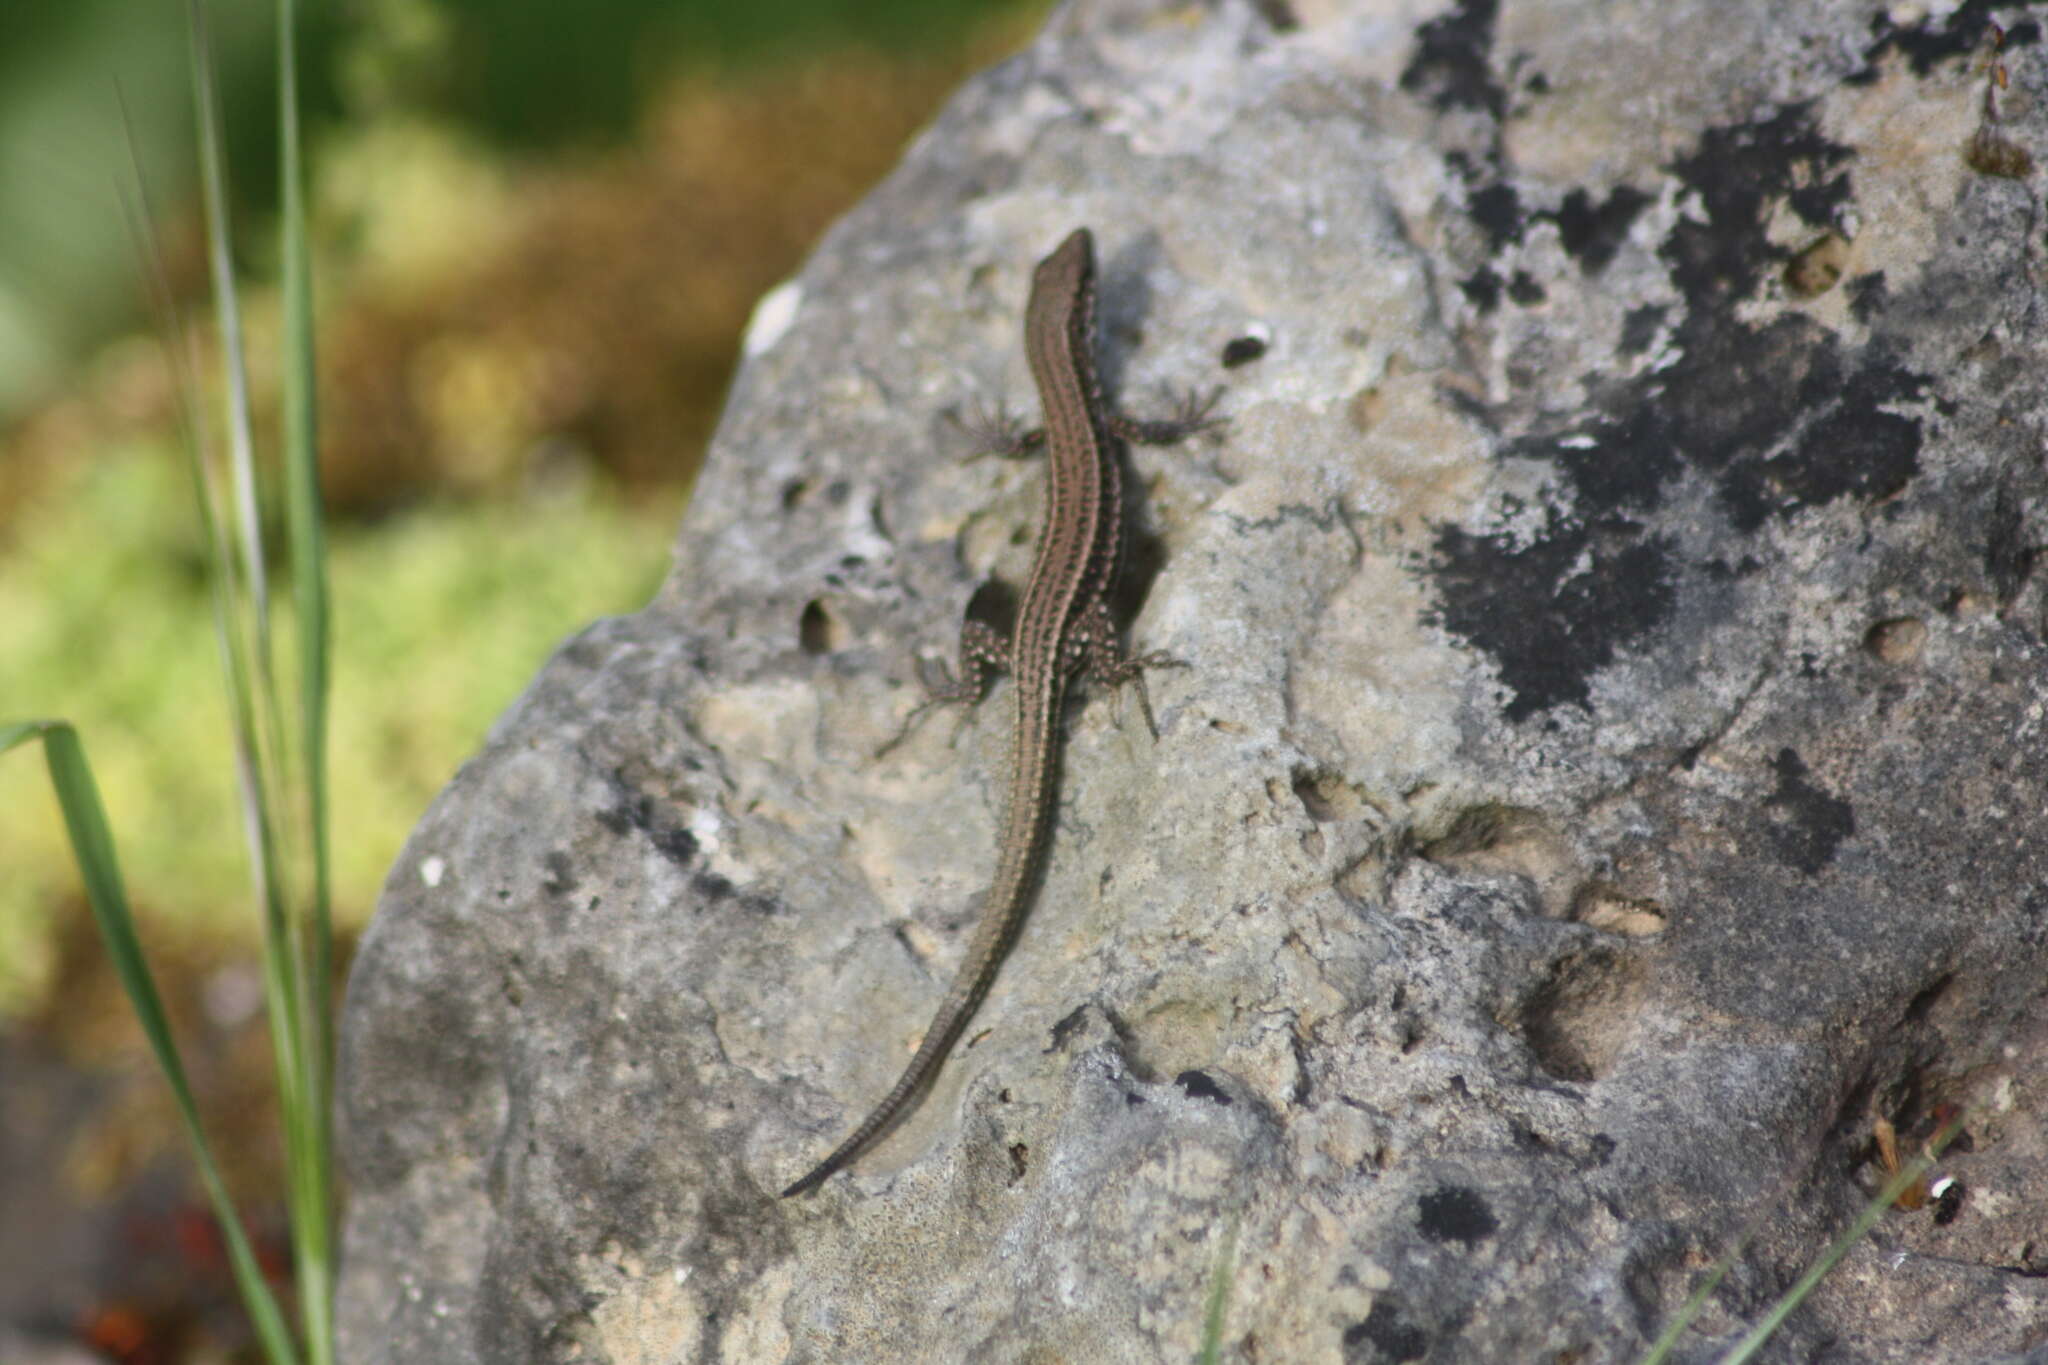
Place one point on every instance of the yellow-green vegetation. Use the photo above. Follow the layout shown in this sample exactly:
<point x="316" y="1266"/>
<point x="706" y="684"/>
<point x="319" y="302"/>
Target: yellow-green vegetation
<point x="476" y="309"/>
<point x="446" y="612"/>
<point x="279" y="745"/>
<point x="118" y="607"/>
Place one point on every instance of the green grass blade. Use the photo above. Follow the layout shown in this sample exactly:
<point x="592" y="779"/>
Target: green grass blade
<point x="281" y="825"/>
<point x="241" y="599"/>
<point x="306" y="518"/>
<point x="92" y="844"/>
<point x="1667" y="1341"/>
<point x="220" y="260"/>
<point x="1217" y="1307"/>
<point x="236" y="566"/>
<point x="295" y="953"/>
<point x="1872" y="1211"/>
<point x="1690" y="1309"/>
<point x="245" y="601"/>
<point x="224" y="591"/>
<point x="311" y="1134"/>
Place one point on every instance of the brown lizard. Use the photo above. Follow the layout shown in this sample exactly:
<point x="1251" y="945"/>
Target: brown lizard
<point x="1064" y="627"/>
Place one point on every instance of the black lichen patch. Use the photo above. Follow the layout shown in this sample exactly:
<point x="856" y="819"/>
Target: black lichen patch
<point x="1740" y="393"/>
<point x="1738" y="390"/>
<point x="1856" y="449"/>
<point x="1963" y="32"/>
<point x="1483" y="287"/>
<point x="1847" y="444"/>
<point x="1496" y="210"/>
<point x="1592" y="233"/>
<point x="1776" y="415"/>
<point x="1739" y="172"/>
<point x="637" y="813"/>
<point x="1451" y="67"/>
<point x="1384" y="1336"/>
<point x="1640" y="328"/>
<point x="1815" y="822"/>
<point x="1455" y="1213"/>
<point x="1868" y="295"/>
<point x="1554" y="612"/>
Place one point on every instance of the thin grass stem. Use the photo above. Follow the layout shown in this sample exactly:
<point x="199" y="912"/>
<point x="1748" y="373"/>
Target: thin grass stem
<point x="92" y="844"/>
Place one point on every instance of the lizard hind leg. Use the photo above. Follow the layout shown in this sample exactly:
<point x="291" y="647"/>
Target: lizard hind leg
<point x="1107" y="664"/>
<point x="982" y="652"/>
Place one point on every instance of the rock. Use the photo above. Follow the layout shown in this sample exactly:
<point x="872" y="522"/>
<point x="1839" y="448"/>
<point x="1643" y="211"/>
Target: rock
<point x="1605" y="781"/>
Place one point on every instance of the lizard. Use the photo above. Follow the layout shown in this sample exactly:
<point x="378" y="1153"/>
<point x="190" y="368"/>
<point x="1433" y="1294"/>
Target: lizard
<point x="1065" y="627"/>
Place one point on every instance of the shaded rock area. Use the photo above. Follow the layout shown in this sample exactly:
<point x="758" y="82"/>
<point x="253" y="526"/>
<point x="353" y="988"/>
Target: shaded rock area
<point x="1608" y="777"/>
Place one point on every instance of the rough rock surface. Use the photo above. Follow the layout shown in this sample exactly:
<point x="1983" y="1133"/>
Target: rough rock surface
<point x="1609" y="777"/>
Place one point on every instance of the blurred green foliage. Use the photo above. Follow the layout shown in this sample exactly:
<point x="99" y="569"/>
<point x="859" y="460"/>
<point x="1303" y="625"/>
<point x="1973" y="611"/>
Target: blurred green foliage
<point x="522" y="74"/>
<point x="441" y="615"/>
<point x="493" y="320"/>
<point x="78" y="80"/>
<point x="525" y="72"/>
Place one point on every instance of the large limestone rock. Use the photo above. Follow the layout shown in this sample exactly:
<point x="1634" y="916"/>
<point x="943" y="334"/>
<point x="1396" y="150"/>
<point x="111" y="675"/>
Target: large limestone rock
<point x="1610" y="773"/>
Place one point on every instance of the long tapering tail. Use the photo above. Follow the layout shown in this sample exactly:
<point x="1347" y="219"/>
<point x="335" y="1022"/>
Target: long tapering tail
<point x="1025" y="826"/>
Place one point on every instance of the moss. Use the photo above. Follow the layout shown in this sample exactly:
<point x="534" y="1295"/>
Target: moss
<point x="442" y="615"/>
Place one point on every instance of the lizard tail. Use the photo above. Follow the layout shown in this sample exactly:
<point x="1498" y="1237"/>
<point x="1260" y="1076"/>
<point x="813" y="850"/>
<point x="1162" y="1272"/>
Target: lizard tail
<point x="1025" y="827"/>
